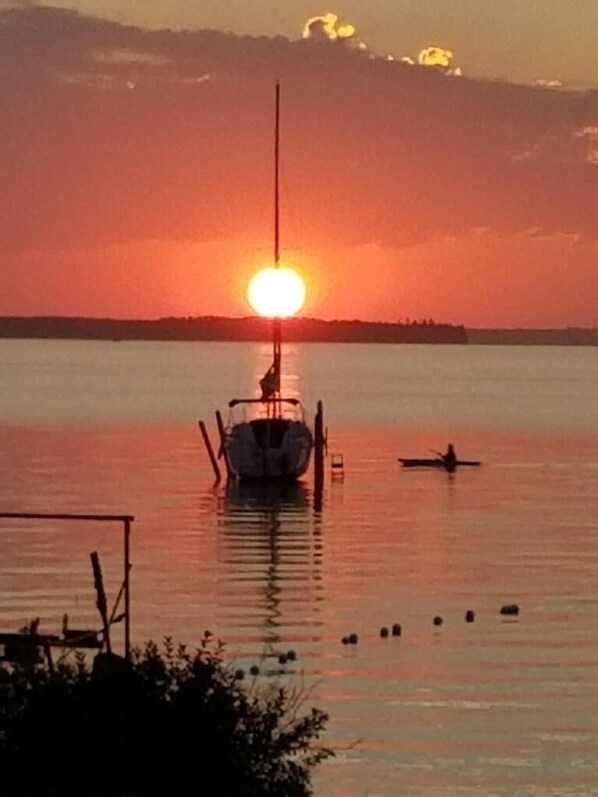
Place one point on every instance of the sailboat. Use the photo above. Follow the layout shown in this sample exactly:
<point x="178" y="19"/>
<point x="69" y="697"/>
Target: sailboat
<point x="276" y="444"/>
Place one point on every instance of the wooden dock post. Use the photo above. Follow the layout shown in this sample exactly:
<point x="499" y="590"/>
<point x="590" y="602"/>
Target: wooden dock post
<point x="127" y="588"/>
<point x="210" y="450"/>
<point x="222" y="451"/>
<point x="319" y="457"/>
<point x="101" y="599"/>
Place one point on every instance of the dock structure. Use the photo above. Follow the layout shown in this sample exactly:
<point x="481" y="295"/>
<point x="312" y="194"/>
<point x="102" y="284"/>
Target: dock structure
<point x="47" y="641"/>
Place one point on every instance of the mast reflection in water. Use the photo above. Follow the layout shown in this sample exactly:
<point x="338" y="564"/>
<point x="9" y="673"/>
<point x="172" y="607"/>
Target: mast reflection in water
<point x="271" y="561"/>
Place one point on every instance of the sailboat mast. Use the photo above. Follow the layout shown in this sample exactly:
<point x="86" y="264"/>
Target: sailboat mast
<point x="277" y="323"/>
<point x="277" y="180"/>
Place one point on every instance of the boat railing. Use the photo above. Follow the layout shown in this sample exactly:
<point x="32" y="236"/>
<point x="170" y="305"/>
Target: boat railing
<point x="295" y="402"/>
<point x="290" y="408"/>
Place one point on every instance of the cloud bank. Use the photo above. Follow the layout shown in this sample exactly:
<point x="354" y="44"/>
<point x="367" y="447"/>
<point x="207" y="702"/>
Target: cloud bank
<point x="112" y="135"/>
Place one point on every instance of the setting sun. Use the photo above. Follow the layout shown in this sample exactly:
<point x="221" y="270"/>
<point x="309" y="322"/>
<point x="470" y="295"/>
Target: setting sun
<point x="276" y="292"/>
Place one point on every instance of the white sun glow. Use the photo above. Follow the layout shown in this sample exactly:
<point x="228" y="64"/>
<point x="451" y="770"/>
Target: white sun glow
<point x="276" y="292"/>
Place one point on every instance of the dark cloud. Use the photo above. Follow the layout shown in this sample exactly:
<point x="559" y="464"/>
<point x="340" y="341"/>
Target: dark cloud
<point x="111" y="133"/>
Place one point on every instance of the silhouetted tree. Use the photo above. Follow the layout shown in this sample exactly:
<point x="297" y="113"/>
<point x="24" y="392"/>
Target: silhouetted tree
<point x="169" y="722"/>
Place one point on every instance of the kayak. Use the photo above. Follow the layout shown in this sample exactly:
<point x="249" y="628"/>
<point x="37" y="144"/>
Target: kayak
<point x="435" y="463"/>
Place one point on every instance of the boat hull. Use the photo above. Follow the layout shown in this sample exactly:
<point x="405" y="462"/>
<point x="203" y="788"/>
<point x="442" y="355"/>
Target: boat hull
<point x="268" y="450"/>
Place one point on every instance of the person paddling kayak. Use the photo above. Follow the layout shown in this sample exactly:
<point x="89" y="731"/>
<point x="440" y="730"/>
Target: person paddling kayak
<point x="450" y="457"/>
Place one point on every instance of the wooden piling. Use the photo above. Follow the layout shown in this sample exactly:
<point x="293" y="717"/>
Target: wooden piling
<point x="49" y="659"/>
<point x="101" y="597"/>
<point x="210" y="450"/>
<point x="127" y="588"/>
<point x="319" y="457"/>
<point x="222" y="451"/>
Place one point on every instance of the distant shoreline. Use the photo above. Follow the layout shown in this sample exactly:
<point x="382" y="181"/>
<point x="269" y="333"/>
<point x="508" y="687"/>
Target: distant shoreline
<point x="297" y="330"/>
<point x="568" y="336"/>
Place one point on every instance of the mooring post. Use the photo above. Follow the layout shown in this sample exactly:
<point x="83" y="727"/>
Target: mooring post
<point x="101" y="598"/>
<point x="210" y="450"/>
<point x="49" y="659"/>
<point x="127" y="588"/>
<point x="319" y="457"/>
<point x="222" y="452"/>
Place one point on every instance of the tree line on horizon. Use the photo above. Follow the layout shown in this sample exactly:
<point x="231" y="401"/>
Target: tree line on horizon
<point x="233" y="329"/>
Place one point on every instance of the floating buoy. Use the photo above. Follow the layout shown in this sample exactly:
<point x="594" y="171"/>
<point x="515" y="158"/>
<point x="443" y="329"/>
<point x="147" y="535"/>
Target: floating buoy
<point x="437" y="620"/>
<point x="353" y="639"/>
<point x="384" y="632"/>
<point x="282" y="659"/>
<point x="254" y="669"/>
<point x="345" y="640"/>
<point x="510" y="609"/>
<point x="291" y="655"/>
<point x="396" y="629"/>
<point x="469" y="616"/>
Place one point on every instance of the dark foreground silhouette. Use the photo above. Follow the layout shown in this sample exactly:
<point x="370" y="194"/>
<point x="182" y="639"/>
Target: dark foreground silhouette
<point x="168" y="722"/>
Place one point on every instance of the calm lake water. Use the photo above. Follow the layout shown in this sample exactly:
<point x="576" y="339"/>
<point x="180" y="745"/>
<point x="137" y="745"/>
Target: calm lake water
<point x="500" y="706"/>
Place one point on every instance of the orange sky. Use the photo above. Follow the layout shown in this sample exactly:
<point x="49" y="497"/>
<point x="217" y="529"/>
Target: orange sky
<point x="137" y="179"/>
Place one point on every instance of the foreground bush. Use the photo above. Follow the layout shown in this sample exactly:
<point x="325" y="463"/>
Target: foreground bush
<point x="168" y="723"/>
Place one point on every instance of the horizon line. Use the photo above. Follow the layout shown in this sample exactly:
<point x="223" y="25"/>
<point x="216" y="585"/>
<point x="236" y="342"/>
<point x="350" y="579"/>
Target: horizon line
<point x="405" y="322"/>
